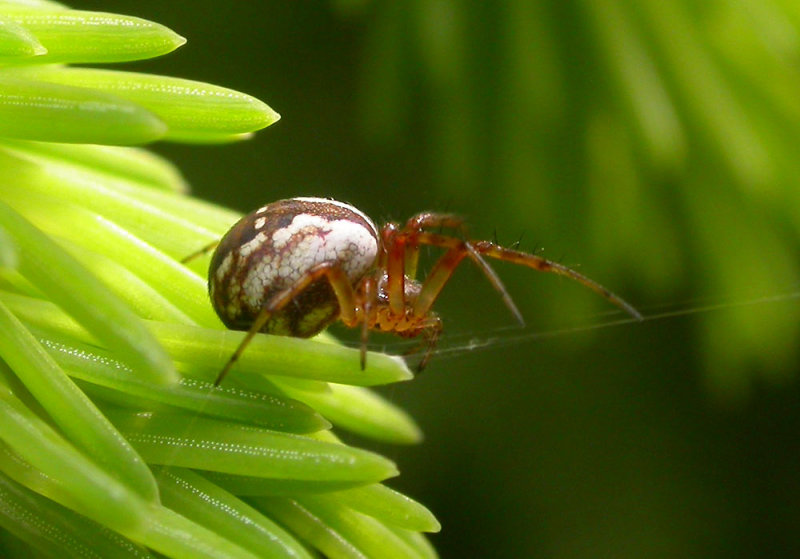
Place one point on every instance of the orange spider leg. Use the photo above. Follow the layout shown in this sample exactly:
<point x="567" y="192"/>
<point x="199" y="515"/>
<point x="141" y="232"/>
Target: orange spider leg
<point x="412" y="260"/>
<point x="431" y="336"/>
<point x="458" y="249"/>
<point x="401" y="248"/>
<point x="443" y="270"/>
<point x="200" y="252"/>
<point x="426" y="220"/>
<point x="416" y="225"/>
<point x="370" y="298"/>
<point x="543" y="265"/>
<point x="394" y="264"/>
<point x="437" y="278"/>
<point x="341" y="287"/>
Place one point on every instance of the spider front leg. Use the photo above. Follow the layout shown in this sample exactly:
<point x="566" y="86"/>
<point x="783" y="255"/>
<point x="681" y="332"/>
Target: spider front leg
<point x="416" y="225"/>
<point x="543" y="265"/>
<point x="401" y="254"/>
<point x="342" y="288"/>
<point x="445" y="267"/>
<point x="457" y="250"/>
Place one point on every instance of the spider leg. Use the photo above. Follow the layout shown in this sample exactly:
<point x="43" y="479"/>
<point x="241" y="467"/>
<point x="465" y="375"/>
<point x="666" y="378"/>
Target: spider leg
<point x="402" y="252"/>
<point x="431" y="335"/>
<point x="428" y="220"/>
<point x="417" y="224"/>
<point x="436" y="280"/>
<point x="458" y="249"/>
<point x="370" y="298"/>
<point x="208" y="248"/>
<point x="338" y="280"/>
<point x="394" y="264"/>
<point x="543" y="265"/>
<point x="445" y="267"/>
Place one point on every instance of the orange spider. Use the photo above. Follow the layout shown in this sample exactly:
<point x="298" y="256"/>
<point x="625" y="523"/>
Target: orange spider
<point x="294" y="266"/>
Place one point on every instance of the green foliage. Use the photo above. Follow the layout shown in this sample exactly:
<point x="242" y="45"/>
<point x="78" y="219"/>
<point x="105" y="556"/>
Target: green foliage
<point x="114" y="439"/>
<point x="574" y="123"/>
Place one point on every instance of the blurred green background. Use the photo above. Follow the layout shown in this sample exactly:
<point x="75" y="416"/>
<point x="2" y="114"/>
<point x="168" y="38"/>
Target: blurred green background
<point x="654" y="145"/>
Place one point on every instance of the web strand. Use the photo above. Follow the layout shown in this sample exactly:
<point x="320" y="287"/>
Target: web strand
<point x="455" y="344"/>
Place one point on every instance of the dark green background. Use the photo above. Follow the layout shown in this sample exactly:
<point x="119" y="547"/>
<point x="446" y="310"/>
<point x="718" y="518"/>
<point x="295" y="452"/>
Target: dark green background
<point x="676" y="437"/>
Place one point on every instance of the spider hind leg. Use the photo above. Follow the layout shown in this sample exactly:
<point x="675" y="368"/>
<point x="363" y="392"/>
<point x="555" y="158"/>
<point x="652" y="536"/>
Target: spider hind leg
<point x="200" y="252"/>
<point x="342" y="288"/>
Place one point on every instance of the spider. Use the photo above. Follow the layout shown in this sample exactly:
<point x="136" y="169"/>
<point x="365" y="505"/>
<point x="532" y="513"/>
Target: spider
<point x="294" y="266"/>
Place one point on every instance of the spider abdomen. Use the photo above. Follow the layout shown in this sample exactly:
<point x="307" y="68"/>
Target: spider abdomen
<point x="270" y="250"/>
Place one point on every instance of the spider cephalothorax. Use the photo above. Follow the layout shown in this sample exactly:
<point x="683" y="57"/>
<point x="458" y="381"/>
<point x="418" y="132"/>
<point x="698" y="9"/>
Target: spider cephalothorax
<point x="294" y="266"/>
